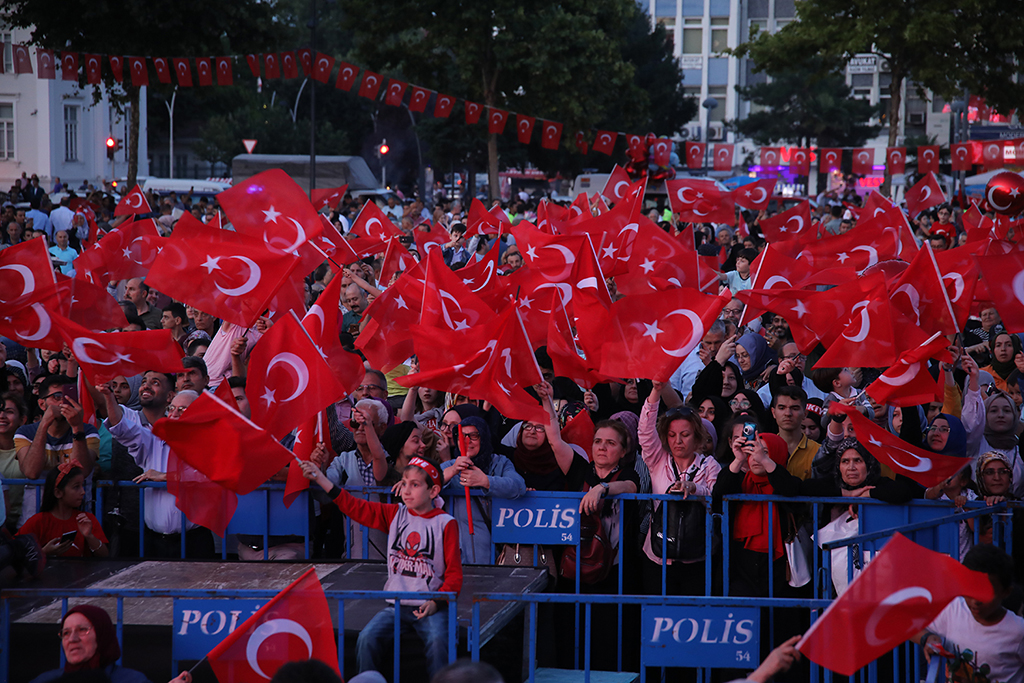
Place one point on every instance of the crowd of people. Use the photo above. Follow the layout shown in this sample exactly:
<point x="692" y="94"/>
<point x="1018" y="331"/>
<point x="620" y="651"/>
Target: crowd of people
<point x="745" y="412"/>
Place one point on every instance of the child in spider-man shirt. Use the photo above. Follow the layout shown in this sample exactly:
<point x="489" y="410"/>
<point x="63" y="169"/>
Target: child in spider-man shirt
<point x="423" y="555"/>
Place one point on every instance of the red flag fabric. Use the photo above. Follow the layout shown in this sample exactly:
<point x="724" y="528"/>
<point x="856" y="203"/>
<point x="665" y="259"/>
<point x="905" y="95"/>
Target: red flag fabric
<point x="921" y="295"/>
<point x="551" y="135"/>
<point x="22" y="62"/>
<point x="830" y="159"/>
<point x="139" y="71"/>
<point x="579" y="210"/>
<point x="1004" y="276"/>
<point x="524" y="128"/>
<point x="772" y="270"/>
<point x="756" y="195"/>
<point x="183" y="70"/>
<point x="225" y="73"/>
<point x="163" y="69"/>
<point x="565" y="356"/>
<point x="328" y="197"/>
<point x="473" y="111"/>
<point x="322" y="67"/>
<point x="117" y="67"/>
<point x="661" y="152"/>
<point x="395" y="92"/>
<point x="699" y="201"/>
<point x="925" y="194"/>
<point x="346" y="76"/>
<point x="271" y="66"/>
<point x="133" y="203"/>
<point x="927" y="159"/>
<point x="551" y="256"/>
<point x="93" y="69"/>
<point x="723" y="157"/>
<point x="960" y="277"/>
<point x="873" y="334"/>
<point x="648" y="335"/>
<point x="800" y="161"/>
<point x="387" y="340"/>
<point x="771" y="157"/>
<point x="322" y="322"/>
<point x="960" y="156"/>
<point x="581" y="142"/>
<point x="908" y="382"/>
<point x="618" y="184"/>
<point x="294" y="626"/>
<point x="580" y="431"/>
<point x="418" y="98"/>
<point x="246" y="454"/>
<point x="496" y="119"/>
<point x="90" y="305"/>
<point x="204" y="69"/>
<point x="374" y="224"/>
<point x="899" y="592"/>
<point x="104" y="356"/>
<point x="253" y="60"/>
<point x="289" y="65"/>
<point x="397" y="259"/>
<point x="306" y="438"/>
<point x="480" y="276"/>
<point x="204" y="502"/>
<point x="305" y="57"/>
<point x="443" y="106"/>
<point x="863" y="160"/>
<point x="129" y="250"/>
<point x="272" y="207"/>
<point x="992" y="154"/>
<point x="433" y="236"/>
<point x="896" y="160"/>
<point x="635" y="148"/>
<point x="47" y="68"/>
<point x="288" y="379"/>
<point x="790" y="224"/>
<point x="233" y="280"/>
<point x="26" y="275"/>
<point x="448" y="303"/>
<point x="695" y="154"/>
<point x="604" y="142"/>
<point x="480" y="220"/>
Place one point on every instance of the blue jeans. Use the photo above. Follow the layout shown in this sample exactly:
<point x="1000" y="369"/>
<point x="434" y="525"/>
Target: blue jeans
<point x="372" y="646"/>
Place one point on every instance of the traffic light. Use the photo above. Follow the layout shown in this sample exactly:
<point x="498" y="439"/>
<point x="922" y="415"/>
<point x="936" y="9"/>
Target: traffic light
<point x="111" y="147"/>
<point x="383" y="149"/>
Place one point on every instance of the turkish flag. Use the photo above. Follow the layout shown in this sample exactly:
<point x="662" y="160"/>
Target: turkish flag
<point x="233" y="280"/>
<point x="722" y="157"/>
<point x="184" y="72"/>
<point x="920" y="294"/>
<point x="800" y="161"/>
<point x="433" y="236"/>
<point x="253" y="60"/>
<point x="699" y="201"/>
<point x="564" y="353"/>
<point x="370" y="86"/>
<point x="93" y="69"/>
<point x="863" y="160"/>
<point x="771" y="157"/>
<point x="287" y="379"/>
<point x="870" y="333"/>
<point x="960" y="155"/>
<point x="163" y="69"/>
<point x="203" y="502"/>
<point x="139" y="71"/>
<point x="306" y="438"/>
<point x="579" y="430"/>
<point x="321" y="323"/>
<point x="397" y="259"/>
<point x="992" y="154"/>
<point x="271" y="65"/>
<point x="204" y="67"/>
<point x="272" y="207"/>
<point x="117" y="67"/>
<point x="328" y="197"/>
<point x="305" y="57"/>
<point x="225" y="74"/>
<point x="387" y="339"/>
<point x="887" y="220"/>
<point x="374" y="224"/>
<point x="649" y="335"/>
<point x="604" y="141"/>
<point x="552" y="256"/>
<point x="104" y="356"/>
<point x="443" y="106"/>
<point x="581" y="142"/>
<point x="790" y="224"/>
<point x="246" y="455"/>
<point x="617" y="186"/>
<point x="1004" y="276"/>
<point x="90" y="305"/>
<point x="482" y="221"/>
<point x="321" y="70"/>
<point x="695" y="154"/>
<point x="928" y="159"/>
<point x="524" y="128"/>
<point x="289" y="65"/>
<point x="46" y="68"/>
<point x="395" y="92"/>
<point x="26" y="275"/>
<point x="551" y="134"/>
<point x="130" y="249"/>
<point x="294" y="626"/>
<point x="635" y="148"/>
<point x="756" y="195"/>
<point x="496" y="120"/>
<point x="960" y="277"/>
<point x="473" y="112"/>
<point x="22" y="62"/>
<point x="661" y="152"/>
<point x="908" y="382"/>
<point x="31" y="325"/>
<point x="899" y="592"/>
<point x="896" y="160"/>
<point x="579" y="210"/>
<point x="830" y="159"/>
<point x="481" y="278"/>
<point x="448" y="303"/>
<point x="346" y="76"/>
<point x="772" y="270"/>
<point x="925" y="194"/>
<point x="133" y="203"/>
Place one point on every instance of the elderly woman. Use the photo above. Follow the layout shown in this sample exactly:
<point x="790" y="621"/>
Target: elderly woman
<point x="669" y="446"/>
<point x="1004" y="348"/>
<point x="992" y="424"/>
<point x="91" y="650"/>
<point x="978" y="335"/>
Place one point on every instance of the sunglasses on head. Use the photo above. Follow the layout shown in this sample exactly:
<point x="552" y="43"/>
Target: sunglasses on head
<point x="685" y="411"/>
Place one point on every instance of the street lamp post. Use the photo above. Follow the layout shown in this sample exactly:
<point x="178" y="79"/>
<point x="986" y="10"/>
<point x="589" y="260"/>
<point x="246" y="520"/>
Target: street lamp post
<point x="709" y="105"/>
<point x="170" y="144"/>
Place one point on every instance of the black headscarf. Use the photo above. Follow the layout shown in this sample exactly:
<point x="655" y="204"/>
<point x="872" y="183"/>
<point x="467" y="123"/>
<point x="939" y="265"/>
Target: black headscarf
<point x="486" y="454"/>
<point x="393" y="439"/>
<point x="874" y="469"/>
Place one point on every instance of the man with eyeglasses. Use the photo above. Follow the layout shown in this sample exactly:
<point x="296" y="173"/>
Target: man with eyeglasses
<point x="683" y="378"/>
<point x="60" y="435"/>
<point x="791" y="359"/>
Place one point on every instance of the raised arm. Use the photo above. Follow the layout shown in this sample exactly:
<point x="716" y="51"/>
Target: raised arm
<point x="563" y="452"/>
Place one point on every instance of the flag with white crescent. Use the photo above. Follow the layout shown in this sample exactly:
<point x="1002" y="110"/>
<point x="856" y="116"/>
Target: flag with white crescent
<point x="723" y="157"/>
<point x="524" y="128"/>
<point x="695" y="152"/>
<point x="374" y="224"/>
<point x="756" y="195"/>
<point x="863" y="160"/>
<point x="133" y="203"/>
<point x="104" y="356"/>
<point x="604" y="141"/>
<point x="800" y="161"/>
<point x="927" y="159"/>
<point x="902" y="590"/>
<point x="896" y="160"/>
<point x="925" y="194"/>
<point x="909" y="382"/>
<point x="790" y="224"/>
<point x="271" y="207"/>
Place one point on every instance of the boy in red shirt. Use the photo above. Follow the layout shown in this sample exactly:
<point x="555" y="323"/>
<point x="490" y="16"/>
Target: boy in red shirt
<point x="422" y="555"/>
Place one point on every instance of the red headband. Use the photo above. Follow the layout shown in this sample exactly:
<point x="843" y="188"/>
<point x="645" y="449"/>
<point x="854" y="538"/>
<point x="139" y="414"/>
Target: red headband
<point x="64" y="468"/>
<point x="432" y="473"/>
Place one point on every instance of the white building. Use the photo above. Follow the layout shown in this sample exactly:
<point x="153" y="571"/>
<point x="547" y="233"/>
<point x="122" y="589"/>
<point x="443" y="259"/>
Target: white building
<point x="52" y="128"/>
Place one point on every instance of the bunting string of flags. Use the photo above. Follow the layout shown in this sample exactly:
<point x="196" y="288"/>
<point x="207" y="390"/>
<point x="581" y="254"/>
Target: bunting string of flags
<point x="207" y="71"/>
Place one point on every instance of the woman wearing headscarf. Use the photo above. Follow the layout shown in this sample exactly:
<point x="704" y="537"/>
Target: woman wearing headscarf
<point x="992" y="425"/>
<point x="483" y="472"/>
<point x="90" y="645"/>
<point x="754" y="357"/>
<point x="995" y="478"/>
<point x="715" y="409"/>
<point x="1004" y="348"/>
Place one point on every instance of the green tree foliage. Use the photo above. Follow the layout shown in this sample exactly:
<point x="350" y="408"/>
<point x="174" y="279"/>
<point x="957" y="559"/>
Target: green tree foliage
<point x="805" y="109"/>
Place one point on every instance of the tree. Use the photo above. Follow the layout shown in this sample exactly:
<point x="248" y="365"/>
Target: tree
<point x="806" y="110"/>
<point x="173" y="28"/>
<point x="945" y="45"/>
<point x="561" y="60"/>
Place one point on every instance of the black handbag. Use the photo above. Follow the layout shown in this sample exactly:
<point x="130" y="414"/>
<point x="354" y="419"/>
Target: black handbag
<point x="684" y="528"/>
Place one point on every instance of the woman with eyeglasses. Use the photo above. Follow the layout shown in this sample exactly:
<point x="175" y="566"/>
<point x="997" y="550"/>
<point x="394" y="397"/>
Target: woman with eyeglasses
<point x="992" y="424"/>
<point x="995" y="481"/>
<point x="669" y="444"/>
<point x="91" y="650"/>
<point x="755" y="357"/>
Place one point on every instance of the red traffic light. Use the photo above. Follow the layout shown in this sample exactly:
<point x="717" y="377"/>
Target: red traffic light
<point x="111" y="143"/>
<point x="384" y="149"/>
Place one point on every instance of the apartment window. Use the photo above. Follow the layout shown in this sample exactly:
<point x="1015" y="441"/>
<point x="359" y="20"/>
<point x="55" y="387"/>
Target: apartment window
<point x="693" y="37"/>
<point x="6" y="130"/>
<point x="719" y="34"/>
<point x="665" y="8"/>
<point x="8" y="49"/>
<point x="71" y="132"/>
<point x="718" y="113"/>
<point x="757" y="26"/>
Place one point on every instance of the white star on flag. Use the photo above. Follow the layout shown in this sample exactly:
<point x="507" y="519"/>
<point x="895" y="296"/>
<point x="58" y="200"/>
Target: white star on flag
<point x="799" y="309"/>
<point x="531" y="252"/>
<point x="647" y="265"/>
<point x="271" y="216"/>
<point x="609" y="252"/>
<point x="212" y="263"/>
<point x="400" y="302"/>
<point x="652" y="330"/>
<point x="268" y="396"/>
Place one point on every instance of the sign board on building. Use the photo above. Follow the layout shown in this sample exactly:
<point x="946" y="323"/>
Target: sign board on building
<point x="691" y="62"/>
<point x="708" y="637"/>
<point x="550" y="521"/>
<point x="200" y="625"/>
<point x="863" y="64"/>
